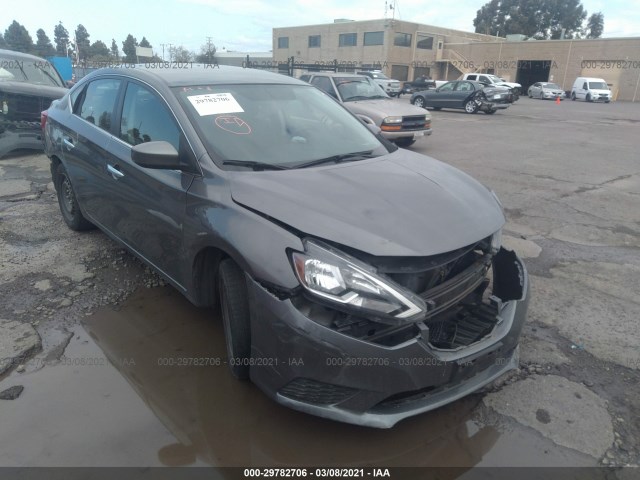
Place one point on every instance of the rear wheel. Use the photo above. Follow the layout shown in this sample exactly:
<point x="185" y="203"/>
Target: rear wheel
<point x="419" y="102"/>
<point x="234" y="306"/>
<point x="68" y="203"/>
<point x="573" y="96"/>
<point x="470" y="106"/>
<point x="491" y="111"/>
<point x="405" y="142"/>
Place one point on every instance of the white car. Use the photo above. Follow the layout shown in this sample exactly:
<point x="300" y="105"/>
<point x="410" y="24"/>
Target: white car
<point x="389" y="85"/>
<point x="544" y="90"/>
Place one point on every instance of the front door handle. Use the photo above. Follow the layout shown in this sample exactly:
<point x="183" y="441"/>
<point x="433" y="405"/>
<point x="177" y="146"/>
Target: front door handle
<point x="115" y="172"/>
<point x="68" y="142"/>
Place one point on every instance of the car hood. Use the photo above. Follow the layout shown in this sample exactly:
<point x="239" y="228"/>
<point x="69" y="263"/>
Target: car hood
<point x="508" y="84"/>
<point x="402" y="204"/>
<point x="379" y="109"/>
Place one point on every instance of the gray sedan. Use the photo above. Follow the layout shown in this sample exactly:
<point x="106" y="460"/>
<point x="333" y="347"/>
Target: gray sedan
<point x="356" y="280"/>
<point x="545" y="90"/>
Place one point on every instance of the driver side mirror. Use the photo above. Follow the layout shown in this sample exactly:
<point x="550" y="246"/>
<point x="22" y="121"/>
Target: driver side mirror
<point x="158" y="155"/>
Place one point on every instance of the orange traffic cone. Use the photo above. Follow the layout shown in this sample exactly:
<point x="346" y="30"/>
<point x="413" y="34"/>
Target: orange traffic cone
<point x="557" y="100"/>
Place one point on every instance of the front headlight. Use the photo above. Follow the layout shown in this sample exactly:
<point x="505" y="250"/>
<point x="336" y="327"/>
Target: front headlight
<point x="353" y="286"/>
<point x="496" y="242"/>
<point x="392" y="120"/>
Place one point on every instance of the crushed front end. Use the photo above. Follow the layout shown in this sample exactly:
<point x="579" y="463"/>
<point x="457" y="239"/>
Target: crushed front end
<point x="375" y="370"/>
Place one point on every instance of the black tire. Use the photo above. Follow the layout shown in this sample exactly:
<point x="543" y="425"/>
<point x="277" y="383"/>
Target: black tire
<point x="234" y="308"/>
<point x="530" y="96"/>
<point x="470" y="106"/>
<point x="541" y="95"/>
<point x="573" y="96"/>
<point x="587" y="98"/>
<point x="68" y="203"/>
<point x="607" y="101"/>
<point x="437" y="108"/>
<point x="491" y="111"/>
<point x="419" y="102"/>
<point x="405" y="142"/>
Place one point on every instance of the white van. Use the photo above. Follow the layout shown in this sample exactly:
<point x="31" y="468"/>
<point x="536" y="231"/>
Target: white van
<point x="590" y="89"/>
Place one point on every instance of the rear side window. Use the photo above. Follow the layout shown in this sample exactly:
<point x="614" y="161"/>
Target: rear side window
<point x="145" y="118"/>
<point x="324" y="84"/>
<point x="99" y="102"/>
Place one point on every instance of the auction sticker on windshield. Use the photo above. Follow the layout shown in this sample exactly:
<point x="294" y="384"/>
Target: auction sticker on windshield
<point x="215" y="103"/>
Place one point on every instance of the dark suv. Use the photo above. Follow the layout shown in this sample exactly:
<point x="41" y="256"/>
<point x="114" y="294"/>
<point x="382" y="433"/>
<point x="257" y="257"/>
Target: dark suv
<point x="28" y="84"/>
<point x="356" y="280"/>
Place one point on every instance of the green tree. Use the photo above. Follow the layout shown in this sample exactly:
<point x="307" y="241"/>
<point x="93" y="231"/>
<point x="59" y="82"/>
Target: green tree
<point x="114" y="49"/>
<point x="180" y="54"/>
<point x="61" y="39"/>
<point x="144" y="43"/>
<point x="541" y="19"/>
<point x="43" y="45"/>
<point x="129" y="49"/>
<point x="82" y="42"/>
<point x="207" y="54"/>
<point x="17" y="38"/>
<point x="3" y="44"/>
<point x="98" y="51"/>
<point x="595" y="25"/>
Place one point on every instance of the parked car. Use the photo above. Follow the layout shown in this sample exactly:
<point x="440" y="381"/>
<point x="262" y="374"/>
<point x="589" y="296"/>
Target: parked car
<point x="494" y="81"/>
<point x="544" y="90"/>
<point x="423" y="82"/>
<point x="470" y="96"/>
<point x="401" y="123"/>
<point x="28" y="84"/>
<point x="591" y="89"/>
<point x="389" y="85"/>
<point x="356" y="281"/>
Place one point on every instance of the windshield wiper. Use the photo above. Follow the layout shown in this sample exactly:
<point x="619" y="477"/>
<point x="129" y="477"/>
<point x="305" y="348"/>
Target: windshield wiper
<point x="338" y="159"/>
<point x="53" y="79"/>
<point x="257" y="166"/>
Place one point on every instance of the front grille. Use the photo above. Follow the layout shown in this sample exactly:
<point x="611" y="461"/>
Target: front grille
<point x="415" y="122"/>
<point x="318" y="393"/>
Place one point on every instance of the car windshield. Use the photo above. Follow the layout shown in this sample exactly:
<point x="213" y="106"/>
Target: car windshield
<point x="358" y="88"/>
<point x="598" y="86"/>
<point x="275" y="125"/>
<point x="551" y="86"/>
<point x="495" y="79"/>
<point x="38" y="72"/>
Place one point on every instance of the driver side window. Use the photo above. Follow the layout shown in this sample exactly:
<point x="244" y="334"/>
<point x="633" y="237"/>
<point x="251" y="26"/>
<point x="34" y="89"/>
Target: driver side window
<point x="324" y="84"/>
<point x="447" y="87"/>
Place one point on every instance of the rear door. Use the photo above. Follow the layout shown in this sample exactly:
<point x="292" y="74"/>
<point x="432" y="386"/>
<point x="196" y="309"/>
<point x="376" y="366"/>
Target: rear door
<point x="146" y="207"/>
<point x="86" y="135"/>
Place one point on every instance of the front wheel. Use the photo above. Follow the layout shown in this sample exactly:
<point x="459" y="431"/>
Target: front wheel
<point x="234" y="306"/>
<point x="541" y="96"/>
<point x="588" y="97"/>
<point x="68" y="202"/>
<point x="471" y="106"/>
<point x="419" y="102"/>
<point x="573" y="96"/>
<point x="405" y="142"/>
<point x="437" y="108"/>
<point x="491" y="111"/>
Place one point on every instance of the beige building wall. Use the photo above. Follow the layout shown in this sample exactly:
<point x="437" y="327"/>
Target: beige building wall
<point x="616" y="60"/>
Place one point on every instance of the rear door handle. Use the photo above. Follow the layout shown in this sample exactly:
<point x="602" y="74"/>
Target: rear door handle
<point x="68" y="142"/>
<point x="115" y="172"/>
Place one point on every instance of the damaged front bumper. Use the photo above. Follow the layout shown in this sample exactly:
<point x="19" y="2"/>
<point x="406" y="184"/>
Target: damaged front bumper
<point x="309" y="367"/>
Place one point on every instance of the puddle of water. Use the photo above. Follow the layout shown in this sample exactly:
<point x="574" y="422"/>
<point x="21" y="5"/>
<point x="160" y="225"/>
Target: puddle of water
<point x="91" y="416"/>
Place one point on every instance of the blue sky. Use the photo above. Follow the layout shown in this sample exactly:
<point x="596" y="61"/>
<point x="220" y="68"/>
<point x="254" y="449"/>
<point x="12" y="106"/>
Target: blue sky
<point x="245" y="25"/>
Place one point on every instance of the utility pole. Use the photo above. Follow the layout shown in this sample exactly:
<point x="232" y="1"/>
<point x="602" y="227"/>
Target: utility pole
<point x="209" y="50"/>
<point x="168" y="45"/>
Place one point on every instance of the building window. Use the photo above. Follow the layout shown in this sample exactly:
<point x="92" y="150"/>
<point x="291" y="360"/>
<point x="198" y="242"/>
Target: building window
<point x="400" y="72"/>
<point x="314" y="41"/>
<point x="283" y="42"/>
<point x="373" y="38"/>
<point x="348" y="40"/>
<point x="425" y="42"/>
<point x="402" y="40"/>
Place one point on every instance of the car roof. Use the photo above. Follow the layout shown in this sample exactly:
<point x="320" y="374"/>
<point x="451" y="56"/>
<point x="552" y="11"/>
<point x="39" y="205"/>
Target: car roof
<point x="337" y="74"/>
<point x="20" y="56"/>
<point x="180" y="75"/>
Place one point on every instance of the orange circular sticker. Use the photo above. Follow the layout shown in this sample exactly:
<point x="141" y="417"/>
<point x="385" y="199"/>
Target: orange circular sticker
<point x="233" y="124"/>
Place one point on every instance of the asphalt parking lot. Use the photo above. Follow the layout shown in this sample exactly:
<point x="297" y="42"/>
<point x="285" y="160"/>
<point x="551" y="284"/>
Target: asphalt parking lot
<point x="90" y="328"/>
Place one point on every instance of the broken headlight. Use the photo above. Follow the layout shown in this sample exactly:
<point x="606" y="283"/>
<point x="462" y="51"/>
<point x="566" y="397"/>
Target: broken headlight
<point x="353" y="286"/>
